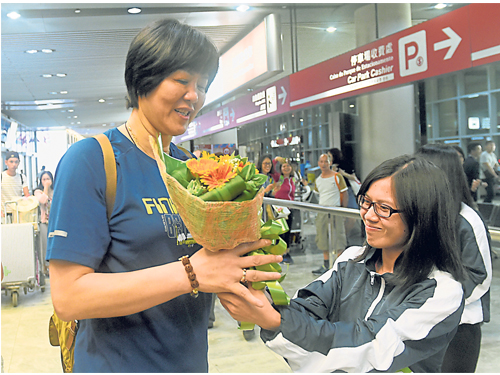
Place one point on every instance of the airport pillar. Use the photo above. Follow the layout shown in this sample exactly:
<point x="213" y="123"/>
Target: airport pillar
<point x="386" y="119"/>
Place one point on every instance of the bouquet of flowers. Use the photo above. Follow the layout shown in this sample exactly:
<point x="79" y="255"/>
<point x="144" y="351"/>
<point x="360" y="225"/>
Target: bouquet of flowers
<point x="220" y="200"/>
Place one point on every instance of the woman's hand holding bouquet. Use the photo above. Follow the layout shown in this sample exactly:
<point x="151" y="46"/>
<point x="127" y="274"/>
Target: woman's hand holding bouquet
<point x="219" y="200"/>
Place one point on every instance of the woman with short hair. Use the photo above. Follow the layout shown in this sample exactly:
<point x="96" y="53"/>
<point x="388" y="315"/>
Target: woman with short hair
<point x="138" y="307"/>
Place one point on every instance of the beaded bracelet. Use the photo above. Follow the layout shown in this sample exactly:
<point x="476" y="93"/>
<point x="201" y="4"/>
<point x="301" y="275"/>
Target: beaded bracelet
<point x="191" y="275"/>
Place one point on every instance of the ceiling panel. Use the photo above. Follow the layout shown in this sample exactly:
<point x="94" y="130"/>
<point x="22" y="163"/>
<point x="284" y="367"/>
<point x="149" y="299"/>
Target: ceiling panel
<point x="91" y="46"/>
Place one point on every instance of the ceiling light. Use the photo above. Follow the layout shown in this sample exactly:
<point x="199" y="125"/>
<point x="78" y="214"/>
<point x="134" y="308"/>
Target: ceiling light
<point x="331" y="29"/>
<point x="242" y="8"/>
<point x="440" y="6"/>
<point x="351" y="105"/>
<point x="103" y="124"/>
<point x="46" y="75"/>
<point x="31" y="51"/>
<point x="71" y="110"/>
<point x="134" y="10"/>
<point x="52" y="93"/>
<point x="77" y="10"/>
<point x="13" y="15"/>
<point x="63" y="92"/>
<point x="101" y="100"/>
<point x="61" y="75"/>
<point x="48" y="50"/>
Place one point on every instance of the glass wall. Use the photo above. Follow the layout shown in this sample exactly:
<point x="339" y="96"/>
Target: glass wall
<point x="301" y="135"/>
<point x="465" y="106"/>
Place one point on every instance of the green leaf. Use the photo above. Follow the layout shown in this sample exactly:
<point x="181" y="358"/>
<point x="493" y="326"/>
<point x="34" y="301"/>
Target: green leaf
<point x="248" y="172"/>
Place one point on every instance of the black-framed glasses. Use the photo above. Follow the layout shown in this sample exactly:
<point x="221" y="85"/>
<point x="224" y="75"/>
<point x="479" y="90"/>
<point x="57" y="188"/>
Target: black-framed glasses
<point x="381" y="210"/>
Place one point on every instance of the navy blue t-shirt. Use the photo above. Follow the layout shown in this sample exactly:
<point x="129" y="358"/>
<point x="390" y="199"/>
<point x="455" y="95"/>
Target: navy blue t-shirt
<point x="144" y="231"/>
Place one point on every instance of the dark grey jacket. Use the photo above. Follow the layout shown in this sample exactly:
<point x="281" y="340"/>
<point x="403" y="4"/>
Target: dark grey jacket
<point x="352" y="319"/>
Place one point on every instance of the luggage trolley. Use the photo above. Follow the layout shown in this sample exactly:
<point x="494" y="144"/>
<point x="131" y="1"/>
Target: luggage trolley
<point x="21" y="251"/>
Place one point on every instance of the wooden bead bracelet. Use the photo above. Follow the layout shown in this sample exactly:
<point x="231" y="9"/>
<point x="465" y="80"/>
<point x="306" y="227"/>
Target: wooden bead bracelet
<point x="191" y="275"/>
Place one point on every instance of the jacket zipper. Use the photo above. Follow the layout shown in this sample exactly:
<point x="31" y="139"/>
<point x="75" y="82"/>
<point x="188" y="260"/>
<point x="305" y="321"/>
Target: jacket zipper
<point x="379" y="296"/>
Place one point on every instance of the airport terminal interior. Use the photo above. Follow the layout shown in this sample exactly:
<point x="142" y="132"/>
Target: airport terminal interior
<point x="375" y="80"/>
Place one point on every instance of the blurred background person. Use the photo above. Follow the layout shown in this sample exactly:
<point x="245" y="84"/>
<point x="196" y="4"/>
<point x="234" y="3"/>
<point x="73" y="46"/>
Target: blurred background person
<point x="489" y="166"/>
<point x="285" y="189"/>
<point x="14" y="185"/>
<point x="472" y="169"/>
<point x="475" y="250"/>
<point x="330" y="229"/>
<point x="44" y="192"/>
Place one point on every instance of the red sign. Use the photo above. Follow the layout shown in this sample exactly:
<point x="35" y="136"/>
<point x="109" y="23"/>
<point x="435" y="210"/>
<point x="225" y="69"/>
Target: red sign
<point x="262" y="103"/>
<point x="441" y="45"/>
<point x="484" y="33"/>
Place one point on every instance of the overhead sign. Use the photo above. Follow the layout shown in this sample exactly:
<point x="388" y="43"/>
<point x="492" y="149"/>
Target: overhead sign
<point x="466" y="37"/>
<point x="438" y="46"/>
<point x="484" y="33"/>
<point x="255" y="58"/>
<point x="262" y="103"/>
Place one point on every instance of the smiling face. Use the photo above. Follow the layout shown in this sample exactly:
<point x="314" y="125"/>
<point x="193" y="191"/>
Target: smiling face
<point x="286" y="169"/>
<point x="266" y="166"/>
<point x="389" y="234"/>
<point x="175" y="102"/>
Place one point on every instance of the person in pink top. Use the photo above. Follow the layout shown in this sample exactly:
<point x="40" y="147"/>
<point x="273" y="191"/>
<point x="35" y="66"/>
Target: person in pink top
<point x="44" y="192"/>
<point x="285" y="189"/>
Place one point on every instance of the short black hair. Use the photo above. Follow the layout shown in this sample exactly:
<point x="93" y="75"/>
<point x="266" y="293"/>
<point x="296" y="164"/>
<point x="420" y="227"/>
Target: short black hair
<point x="471" y="146"/>
<point x="162" y="48"/>
<point x="422" y="195"/>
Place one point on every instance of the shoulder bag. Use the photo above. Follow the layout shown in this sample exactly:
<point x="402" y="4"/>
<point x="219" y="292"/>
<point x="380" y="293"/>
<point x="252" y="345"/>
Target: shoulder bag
<point x="62" y="333"/>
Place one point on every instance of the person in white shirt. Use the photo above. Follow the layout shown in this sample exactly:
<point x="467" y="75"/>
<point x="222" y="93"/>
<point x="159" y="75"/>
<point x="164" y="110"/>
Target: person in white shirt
<point x="332" y="191"/>
<point x="14" y="185"/>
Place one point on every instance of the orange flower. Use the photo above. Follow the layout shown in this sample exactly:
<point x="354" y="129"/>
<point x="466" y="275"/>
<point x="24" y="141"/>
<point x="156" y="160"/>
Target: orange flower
<point x="200" y="167"/>
<point x="219" y="176"/>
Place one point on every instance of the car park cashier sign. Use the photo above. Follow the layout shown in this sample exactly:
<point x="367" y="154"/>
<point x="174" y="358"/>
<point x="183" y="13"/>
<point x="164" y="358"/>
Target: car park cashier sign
<point x="442" y="45"/>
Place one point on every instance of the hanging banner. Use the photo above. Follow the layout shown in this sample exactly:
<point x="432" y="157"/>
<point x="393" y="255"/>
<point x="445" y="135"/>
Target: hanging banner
<point x="261" y="103"/>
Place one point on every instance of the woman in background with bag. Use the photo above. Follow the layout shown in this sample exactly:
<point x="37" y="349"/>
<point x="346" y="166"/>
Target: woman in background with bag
<point x="138" y="287"/>
<point x="44" y="193"/>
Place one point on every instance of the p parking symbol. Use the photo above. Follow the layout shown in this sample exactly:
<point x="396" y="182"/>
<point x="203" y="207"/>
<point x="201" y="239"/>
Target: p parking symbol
<point x="413" y="54"/>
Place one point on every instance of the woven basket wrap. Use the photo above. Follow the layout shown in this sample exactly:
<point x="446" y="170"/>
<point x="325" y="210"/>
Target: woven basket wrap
<point x="214" y="225"/>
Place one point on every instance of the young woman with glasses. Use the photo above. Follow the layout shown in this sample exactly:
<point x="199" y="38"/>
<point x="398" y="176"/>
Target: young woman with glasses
<point x="392" y="304"/>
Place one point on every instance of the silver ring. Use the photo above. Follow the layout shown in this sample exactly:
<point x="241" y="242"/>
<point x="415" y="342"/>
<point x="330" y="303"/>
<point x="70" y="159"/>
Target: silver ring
<point x="244" y="277"/>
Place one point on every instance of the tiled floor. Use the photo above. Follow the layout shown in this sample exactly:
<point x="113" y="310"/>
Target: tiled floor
<point x="25" y="347"/>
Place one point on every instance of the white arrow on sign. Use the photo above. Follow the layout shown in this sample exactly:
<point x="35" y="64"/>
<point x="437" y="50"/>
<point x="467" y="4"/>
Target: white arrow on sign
<point x="452" y="42"/>
<point x="282" y="95"/>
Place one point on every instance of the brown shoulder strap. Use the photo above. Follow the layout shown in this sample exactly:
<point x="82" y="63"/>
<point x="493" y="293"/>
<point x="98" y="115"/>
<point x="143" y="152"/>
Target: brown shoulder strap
<point x="110" y="170"/>
<point x="188" y="154"/>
